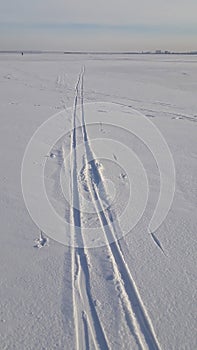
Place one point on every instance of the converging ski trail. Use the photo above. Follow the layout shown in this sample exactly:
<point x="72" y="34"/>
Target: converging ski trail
<point x="86" y="321"/>
<point x="89" y="331"/>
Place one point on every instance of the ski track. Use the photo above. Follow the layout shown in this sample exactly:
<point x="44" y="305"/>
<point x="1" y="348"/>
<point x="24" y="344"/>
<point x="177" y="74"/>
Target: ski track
<point x="80" y="264"/>
<point x="86" y="320"/>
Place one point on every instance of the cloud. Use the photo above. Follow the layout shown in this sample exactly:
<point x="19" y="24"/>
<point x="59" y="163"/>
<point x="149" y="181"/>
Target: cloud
<point x="124" y="12"/>
<point x="131" y="12"/>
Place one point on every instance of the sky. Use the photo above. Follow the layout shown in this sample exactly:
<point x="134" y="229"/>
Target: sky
<point x="104" y="25"/>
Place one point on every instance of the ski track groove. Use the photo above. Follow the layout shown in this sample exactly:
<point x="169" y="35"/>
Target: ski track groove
<point x="85" y="325"/>
<point x="73" y="256"/>
<point x="135" y="313"/>
<point x="80" y="266"/>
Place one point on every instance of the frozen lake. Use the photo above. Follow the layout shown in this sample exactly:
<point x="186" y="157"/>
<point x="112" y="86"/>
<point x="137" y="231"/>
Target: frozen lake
<point x="135" y="293"/>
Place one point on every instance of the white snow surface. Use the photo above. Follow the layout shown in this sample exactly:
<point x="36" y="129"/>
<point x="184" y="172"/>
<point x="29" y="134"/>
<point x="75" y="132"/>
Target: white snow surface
<point x="129" y="295"/>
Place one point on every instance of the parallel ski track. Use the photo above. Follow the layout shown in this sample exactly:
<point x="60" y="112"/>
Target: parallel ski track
<point x="136" y="315"/>
<point x="84" y="320"/>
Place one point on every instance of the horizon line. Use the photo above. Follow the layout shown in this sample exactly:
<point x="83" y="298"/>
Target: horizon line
<point x="155" y="52"/>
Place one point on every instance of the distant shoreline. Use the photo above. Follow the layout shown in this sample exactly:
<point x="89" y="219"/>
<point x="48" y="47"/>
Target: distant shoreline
<point x="158" y="52"/>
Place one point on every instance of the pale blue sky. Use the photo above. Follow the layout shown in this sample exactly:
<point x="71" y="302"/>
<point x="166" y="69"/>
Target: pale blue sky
<point x="98" y="25"/>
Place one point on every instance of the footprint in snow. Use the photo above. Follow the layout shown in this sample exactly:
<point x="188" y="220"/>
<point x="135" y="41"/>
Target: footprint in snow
<point x="157" y="242"/>
<point x="41" y="241"/>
